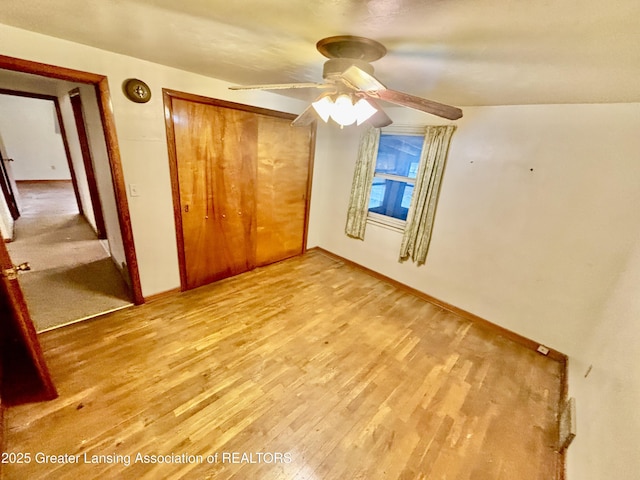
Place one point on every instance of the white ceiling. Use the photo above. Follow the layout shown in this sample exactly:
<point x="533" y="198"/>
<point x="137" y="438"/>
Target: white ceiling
<point x="462" y="52"/>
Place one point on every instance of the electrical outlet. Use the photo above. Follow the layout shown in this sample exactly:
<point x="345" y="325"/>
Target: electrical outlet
<point x="542" y="349"/>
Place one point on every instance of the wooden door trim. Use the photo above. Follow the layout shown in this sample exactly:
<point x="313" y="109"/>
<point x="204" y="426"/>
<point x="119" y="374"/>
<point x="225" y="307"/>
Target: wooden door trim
<point x="117" y="175"/>
<point x="63" y="133"/>
<point x="168" y="95"/>
<point x="87" y="161"/>
<point x="67" y="152"/>
<point x="307" y="208"/>
<point x="225" y="103"/>
<point x="101" y="85"/>
<point x="175" y="184"/>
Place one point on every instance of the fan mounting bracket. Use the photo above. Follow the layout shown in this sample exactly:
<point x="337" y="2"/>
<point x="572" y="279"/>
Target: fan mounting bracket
<point x="349" y="46"/>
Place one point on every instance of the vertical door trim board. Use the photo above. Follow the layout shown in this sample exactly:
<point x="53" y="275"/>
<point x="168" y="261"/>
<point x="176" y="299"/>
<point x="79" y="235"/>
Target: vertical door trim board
<point x="101" y="85"/>
<point x="175" y="184"/>
<point x="168" y="95"/>
<point x="87" y="161"/>
<point x="307" y="207"/>
<point x="67" y="151"/>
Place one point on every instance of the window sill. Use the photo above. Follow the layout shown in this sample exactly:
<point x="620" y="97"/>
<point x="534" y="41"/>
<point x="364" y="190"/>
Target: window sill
<point x="388" y="223"/>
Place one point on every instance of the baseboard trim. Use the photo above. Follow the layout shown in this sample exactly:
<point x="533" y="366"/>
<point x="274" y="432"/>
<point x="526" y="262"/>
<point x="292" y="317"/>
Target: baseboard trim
<point x="83" y="319"/>
<point x="161" y="295"/>
<point x="504" y="332"/>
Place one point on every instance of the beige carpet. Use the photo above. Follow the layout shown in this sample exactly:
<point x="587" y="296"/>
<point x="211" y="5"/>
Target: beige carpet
<point x="72" y="276"/>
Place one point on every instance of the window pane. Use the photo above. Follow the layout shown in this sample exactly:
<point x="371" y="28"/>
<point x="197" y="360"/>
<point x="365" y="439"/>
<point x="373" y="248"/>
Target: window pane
<point x="406" y="198"/>
<point x="377" y="193"/>
<point x="390" y="197"/>
<point x="399" y="155"/>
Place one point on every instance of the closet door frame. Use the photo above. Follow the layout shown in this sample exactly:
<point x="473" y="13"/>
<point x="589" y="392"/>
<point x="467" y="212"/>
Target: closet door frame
<point x="168" y="96"/>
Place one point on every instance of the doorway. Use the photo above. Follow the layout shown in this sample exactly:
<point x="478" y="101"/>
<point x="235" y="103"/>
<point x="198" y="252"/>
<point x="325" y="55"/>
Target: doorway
<point x="60" y="76"/>
<point x="71" y="276"/>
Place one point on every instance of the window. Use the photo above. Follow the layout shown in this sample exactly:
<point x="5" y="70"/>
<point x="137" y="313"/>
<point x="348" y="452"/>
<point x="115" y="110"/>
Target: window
<point x="394" y="178"/>
<point x="396" y="183"/>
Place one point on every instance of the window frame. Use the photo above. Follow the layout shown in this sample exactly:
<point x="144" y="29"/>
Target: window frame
<point x="379" y="219"/>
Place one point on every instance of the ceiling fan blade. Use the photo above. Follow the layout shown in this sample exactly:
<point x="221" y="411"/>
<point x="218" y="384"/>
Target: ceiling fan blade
<point x="378" y="119"/>
<point x="282" y="86"/>
<point x="418" y="103"/>
<point x="305" y="118"/>
<point x="358" y="79"/>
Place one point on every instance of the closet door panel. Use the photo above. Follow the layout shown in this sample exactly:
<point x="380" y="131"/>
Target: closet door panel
<point x="215" y="152"/>
<point x="283" y="157"/>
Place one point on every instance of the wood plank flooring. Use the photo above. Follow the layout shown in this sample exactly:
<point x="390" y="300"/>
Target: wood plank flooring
<point x="305" y="369"/>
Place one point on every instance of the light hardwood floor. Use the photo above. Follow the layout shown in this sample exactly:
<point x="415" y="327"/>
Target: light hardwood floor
<point x="346" y="376"/>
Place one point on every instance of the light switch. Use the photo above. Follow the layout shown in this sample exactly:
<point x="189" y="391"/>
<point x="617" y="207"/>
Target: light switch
<point x="133" y="190"/>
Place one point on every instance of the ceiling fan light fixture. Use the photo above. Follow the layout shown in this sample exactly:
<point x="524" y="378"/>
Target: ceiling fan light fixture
<point x="342" y="109"/>
<point x="343" y="112"/>
<point x="323" y="107"/>
<point x="364" y="111"/>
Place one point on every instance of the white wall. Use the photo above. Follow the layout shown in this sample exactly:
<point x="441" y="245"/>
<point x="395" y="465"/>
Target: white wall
<point x="606" y="445"/>
<point x="536" y="230"/>
<point x="141" y="136"/>
<point x="32" y="139"/>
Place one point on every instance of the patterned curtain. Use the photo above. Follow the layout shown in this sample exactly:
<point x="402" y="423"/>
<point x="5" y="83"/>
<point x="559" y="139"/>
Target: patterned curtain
<point x="417" y="233"/>
<point x="361" y="187"/>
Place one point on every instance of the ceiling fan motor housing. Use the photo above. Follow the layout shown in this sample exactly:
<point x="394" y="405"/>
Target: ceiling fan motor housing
<point x="336" y="66"/>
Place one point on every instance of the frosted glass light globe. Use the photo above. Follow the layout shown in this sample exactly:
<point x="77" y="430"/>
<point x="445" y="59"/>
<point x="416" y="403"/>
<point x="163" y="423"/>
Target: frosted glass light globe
<point x="343" y="111"/>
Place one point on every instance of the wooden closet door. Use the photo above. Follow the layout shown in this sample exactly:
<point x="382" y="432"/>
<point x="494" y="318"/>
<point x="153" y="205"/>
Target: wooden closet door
<point x="215" y="155"/>
<point x="281" y="188"/>
<point x="240" y="180"/>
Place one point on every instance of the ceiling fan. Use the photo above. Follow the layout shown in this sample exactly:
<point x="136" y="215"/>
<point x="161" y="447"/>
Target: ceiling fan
<point x="351" y="91"/>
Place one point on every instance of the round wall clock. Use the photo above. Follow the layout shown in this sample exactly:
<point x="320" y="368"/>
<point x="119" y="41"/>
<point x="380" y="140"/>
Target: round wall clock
<point x="136" y="90"/>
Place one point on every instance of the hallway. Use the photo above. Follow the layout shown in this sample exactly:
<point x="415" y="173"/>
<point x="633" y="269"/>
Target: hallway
<point x="72" y="276"/>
